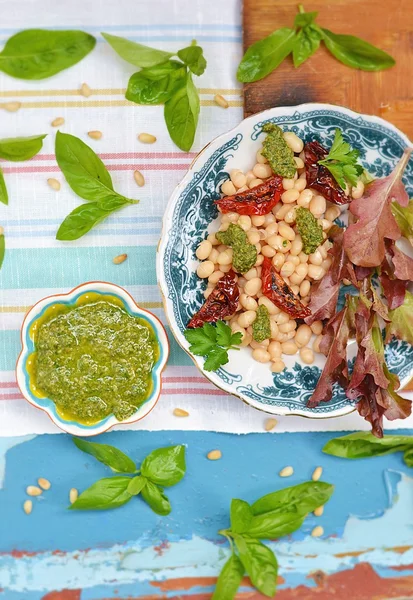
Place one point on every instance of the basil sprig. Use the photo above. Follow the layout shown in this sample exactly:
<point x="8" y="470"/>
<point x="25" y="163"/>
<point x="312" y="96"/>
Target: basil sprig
<point x="88" y="177"/>
<point x="41" y="53"/>
<point x="271" y="516"/>
<point x="163" y="467"/>
<point x="163" y="80"/>
<point x="302" y="41"/>
<point x="365" y="445"/>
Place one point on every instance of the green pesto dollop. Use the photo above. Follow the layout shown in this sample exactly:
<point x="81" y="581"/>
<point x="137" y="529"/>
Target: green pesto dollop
<point x="310" y="230"/>
<point x="261" y="329"/>
<point x="95" y="360"/>
<point x="244" y="254"/>
<point x="277" y="152"/>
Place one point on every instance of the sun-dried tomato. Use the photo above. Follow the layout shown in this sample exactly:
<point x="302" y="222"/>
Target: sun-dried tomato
<point x="275" y="288"/>
<point x="258" y="201"/>
<point x="319" y="177"/>
<point x="222" y="302"/>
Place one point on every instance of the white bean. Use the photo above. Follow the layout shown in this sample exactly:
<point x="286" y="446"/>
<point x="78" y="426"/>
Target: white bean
<point x="277" y="366"/>
<point x="315" y="258"/>
<point x="294" y="259"/>
<point x="205" y="269"/>
<point x="287" y="269"/>
<point x="228" y="188"/>
<point x="253" y="236"/>
<point x="317" y="327"/>
<point x="275" y="350"/>
<point x="272" y="309"/>
<point x="288" y="184"/>
<point x="269" y="219"/>
<point x="293" y="141"/>
<point x="268" y="251"/>
<point x="261" y="355"/>
<point x="291" y="325"/>
<point x="274" y="330"/>
<point x="278" y="261"/>
<point x="303" y="335"/>
<point x="225" y="268"/>
<point x="260" y="260"/>
<point x="317" y="205"/>
<point x="295" y="288"/>
<point x="254" y="182"/>
<point x="316" y="272"/>
<point x="271" y="229"/>
<point x="203" y="250"/>
<point x="281" y="210"/>
<point x="260" y="158"/>
<point x="289" y="347"/>
<point x="296" y="245"/>
<point x="357" y="191"/>
<point x="241" y="282"/>
<point x="300" y="184"/>
<point x="325" y="224"/>
<point x="299" y="163"/>
<point x="290" y="196"/>
<point x="286" y="231"/>
<point x="305" y="198"/>
<point x="305" y="288"/>
<point x="212" y="238"/>
<point x="303" y="257"/>
<point x="332" y="213"/>
<point x="251" y="274"/>
<point x="213" y="255"/>
<point x="247" y="318"/>
<point x="253" y="286"/>
<point x="262" y="345"/>
<point x="291" y="215"/>
<point x="245" y="222"/>
<point x="247" y="302"/>
<point x="281" y="318"/>
<point x="250" y="176"/>
<point x="225" y="258"/>
<point x="262" y="171"/>
<point x="224" y="226"/>
<point x="215" y="276"/>
<point x="307" y="355"/>
<point x="258" y="220"/>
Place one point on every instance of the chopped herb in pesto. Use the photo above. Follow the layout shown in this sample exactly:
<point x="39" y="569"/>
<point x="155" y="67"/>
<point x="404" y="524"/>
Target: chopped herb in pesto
<point x="309" y="229"/>
<point x="244" y="254"/>
<point x="277" y="152"/>
<point x="261" y="329"/>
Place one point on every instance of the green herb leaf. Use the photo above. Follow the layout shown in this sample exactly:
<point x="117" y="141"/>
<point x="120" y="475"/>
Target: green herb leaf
<point x="105" y="493"/>
<point x="136" y="485"/>
<point x="193" y="57"/>
<point x="401" y="321"/>
<point x="408" y="458"/>
<point x="217" y="358"/>
<point x="157" y="84"/>
<point x="19" y="149"/>
<point x="266" y="55"/>
<point x="83" y="218"/>
<point x="2" y="249"/>
<point x="154" y="496"/>
<point x="229" y="579"/>
<point x="404" y="218"/>
<point x="41" y="53"/>
<point x="356" y="53"/>
<point x="303" y="19"/>
<point x="137" y="54"/>
<point x="260" y="564"/>
<point x="341" y="161"/>
<point x="364" y="444"/>
<point x="181" y="114"/>
<point x="213" y="343"/>
<point x="241" y="516"/>
<point x="307" y="41"/>
<point x="4" y="197"/>
<point x="201" y="339"/>
<point x="108" y="455"/>
<point x="165" y="466"/>
<point x="304" y="497"/>
<point x="261" y="328"/>
<point x="277" y="152"/>
<point x="275" y="524"/>
<point x="225" y="337"/>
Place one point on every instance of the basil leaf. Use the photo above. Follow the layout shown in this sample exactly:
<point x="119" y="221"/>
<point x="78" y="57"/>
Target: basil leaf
<point x="83" y="218"/>
<point x="364" y="444"/>
<point x="356" y="53"/>
<point x="155" y="85"/>
<point x="229" y="579"/>
<point x="305" y="18"/>
<point x="304" y="497"/>
<point x="193" y="57"/>
<point x="40" y="53"/>
<point x="2" y="248"/>
<point x="260" y="564"/>
<point x="275" y="524"/>
<point x="165" y="466"/>
<point x="4" y="197"/>
<point x="108" y="455"/>
<point x="266" y="55"/>
<point x="181" y="114"/>
<point x="105" y="493"/>
<point x="154" y="496"/>
<point x="136" y="485"/>
<point x="408" y="458"/>
<point x="306" y="43"/>
<point x="241" y="516"/>
<point x="136" y="54"/>
<point x="19" y="149"/>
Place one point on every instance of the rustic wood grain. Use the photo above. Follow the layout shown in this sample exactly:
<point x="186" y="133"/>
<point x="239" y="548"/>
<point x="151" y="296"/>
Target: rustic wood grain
<point x="322" y="78"/>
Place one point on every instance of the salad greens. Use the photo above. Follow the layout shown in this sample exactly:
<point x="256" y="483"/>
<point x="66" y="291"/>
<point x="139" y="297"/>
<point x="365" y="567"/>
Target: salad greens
<point x="213" y="343"/>
<point x="341" y="161"/>
<point x="162" y="467"/>
<point x="302" y="41"/>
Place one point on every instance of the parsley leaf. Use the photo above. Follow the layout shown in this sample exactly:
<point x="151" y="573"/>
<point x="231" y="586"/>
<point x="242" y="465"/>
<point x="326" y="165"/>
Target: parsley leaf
<point x="341" y="161"/>
<point x="213" y="343"/>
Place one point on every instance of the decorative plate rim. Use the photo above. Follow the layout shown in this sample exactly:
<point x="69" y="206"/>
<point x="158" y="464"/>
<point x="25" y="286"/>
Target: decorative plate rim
<point x="210" y="147"/>
<point x="104" y="287"/>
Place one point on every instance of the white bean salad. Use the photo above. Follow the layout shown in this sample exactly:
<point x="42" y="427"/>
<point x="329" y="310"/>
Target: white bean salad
<point x="276" y="237"/>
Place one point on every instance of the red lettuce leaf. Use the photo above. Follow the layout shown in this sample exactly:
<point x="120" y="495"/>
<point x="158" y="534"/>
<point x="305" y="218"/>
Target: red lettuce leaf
<point x="401" y="323"/>
<point x="364" y="240"/>
<point x="403" y="264"/>
<point x="393" y="289"/>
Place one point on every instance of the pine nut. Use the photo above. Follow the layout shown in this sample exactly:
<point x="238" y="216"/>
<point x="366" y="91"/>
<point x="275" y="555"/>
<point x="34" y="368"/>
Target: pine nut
<point x="214" y="455"/>
<point x="270" y="424"/>
<point x="54" y="184"/>
<point x="221" y="101"/>
<point x="73" y="494"/>
<point x="95" y="135"/>
<point x="180" y="412"/>
<point x="317" y="473"/>
<point x="317" y="531"/>
<point x="28" y="506"/>
<point x="120" y="259"/>
<point x="11" y="106"/>
<point x="286" y="472"/>
<point x="85" y="90"/>
<point x="44" y="483"/>
<point x="33" y="490"/>
<point x="57" y="122"/>
<point x="146" y="138"/>
<point x="319" y="511"/>
<point x="139" y="178"/>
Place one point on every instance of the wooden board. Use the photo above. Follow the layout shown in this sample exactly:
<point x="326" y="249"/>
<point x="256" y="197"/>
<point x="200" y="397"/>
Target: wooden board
<point x="322" y="78"/>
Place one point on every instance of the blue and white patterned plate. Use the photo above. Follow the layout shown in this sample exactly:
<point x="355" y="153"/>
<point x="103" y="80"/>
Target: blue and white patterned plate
<point x="190" y="217"/>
